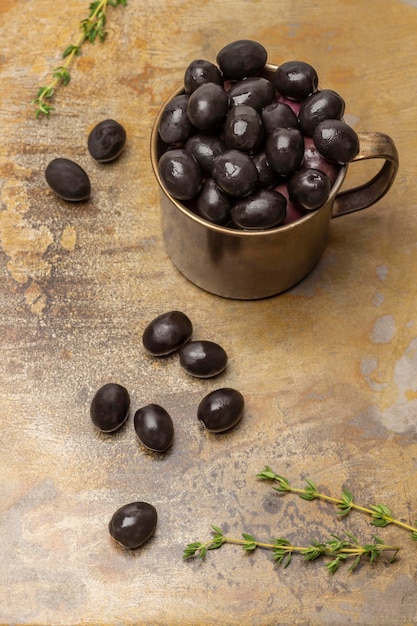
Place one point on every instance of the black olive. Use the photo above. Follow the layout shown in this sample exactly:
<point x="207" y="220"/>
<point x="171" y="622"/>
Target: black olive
<point x="243" y="129"/>
<point x="205" y="148"/>
<point x="68" y="180"/>
<point x="221" y="409"/>
<point x="235" y="173"/>
<point x="175" y="126"/>
<point x="336" y="141"/>
<point x="110" y="407"/>
<point x="203" y="359"/>
<point x="322" y="105"/>
<point x="106" y="141"/>
<point x="278" y="115"/>
<point x="256" y="92"/>
<point x="241" y="58"/>
<point x="166" y="333"/>
<point x="180" y="173"/>
<point x="133" y="524"/>
<point x="213" y="204"/>
<point x="295" y="80"/>
<point x="267" y="176"/>
<point x="309" y="189"/>
<point x="260" y="210"/>
<point x="154" y="427"/>
<point x="207" y="106"/>
<point x="284" y="150"/>
<point x="199" y="72"/>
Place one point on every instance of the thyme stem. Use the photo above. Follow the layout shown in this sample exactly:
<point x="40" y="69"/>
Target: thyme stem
<point x="336" y="548"/>
<point x="91" y="28"/>
<point x="381" y="514"/>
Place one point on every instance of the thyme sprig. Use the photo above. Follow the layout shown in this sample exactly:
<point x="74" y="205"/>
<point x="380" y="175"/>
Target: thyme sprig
<point x="337" y="549"/>
<point x="92" y="28"/>
<point x="381" y="515"/>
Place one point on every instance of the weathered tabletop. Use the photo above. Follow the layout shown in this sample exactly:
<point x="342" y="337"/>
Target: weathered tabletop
<point x="328" y="369"/>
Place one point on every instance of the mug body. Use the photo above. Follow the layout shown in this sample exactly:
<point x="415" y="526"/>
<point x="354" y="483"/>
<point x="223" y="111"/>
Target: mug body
<point x="244" y="265"/>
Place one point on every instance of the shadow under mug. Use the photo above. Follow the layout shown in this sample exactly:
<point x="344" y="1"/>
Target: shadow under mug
<point x="248" y="265"/>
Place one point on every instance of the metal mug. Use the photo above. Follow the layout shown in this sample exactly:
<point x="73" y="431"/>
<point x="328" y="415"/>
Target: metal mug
<point x="248" y="265"/>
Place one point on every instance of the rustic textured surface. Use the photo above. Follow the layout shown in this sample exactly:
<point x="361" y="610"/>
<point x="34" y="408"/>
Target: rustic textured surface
<point x="328" y="370"/>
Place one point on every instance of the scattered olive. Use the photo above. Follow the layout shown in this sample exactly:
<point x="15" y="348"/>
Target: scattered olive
<point x="106" y="141"/>
<point x="133" y="524"/>
<point x="241" y="58"/>
<point x="68" y="180"/>
<point x="110" y="407"/>
<point x="167" y="333"/>
<point x="175" y="126"/>
<point x="221" y="409"/>
<point x="154" y="427"/>
<point x="203" y="359"/>
<point x="295" y="80"/>
<point x="201" y="71"/>
<point x="260" y="210"/>
<point x="180" y="173"/>
<point x="336" y="141"/>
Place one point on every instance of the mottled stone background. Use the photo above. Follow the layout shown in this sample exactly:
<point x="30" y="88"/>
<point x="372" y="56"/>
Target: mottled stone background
<point x="328" y="369"/>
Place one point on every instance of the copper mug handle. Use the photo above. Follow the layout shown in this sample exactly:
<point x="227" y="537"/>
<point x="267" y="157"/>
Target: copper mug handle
<point x="372" y="146"/>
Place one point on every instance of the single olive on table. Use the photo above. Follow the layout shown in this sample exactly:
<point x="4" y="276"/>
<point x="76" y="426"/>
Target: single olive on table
<point x="203" y="359"/>
<point x="238" y="132"/>
<point x="106" y="141"/>
<point x="110" y="407"/>
<point x="167" y="333"/>
<point x="221" y="409"/>
<point x="133" y="524"/>
<point x="68" y="180"/>
<point x="154" y="427"/>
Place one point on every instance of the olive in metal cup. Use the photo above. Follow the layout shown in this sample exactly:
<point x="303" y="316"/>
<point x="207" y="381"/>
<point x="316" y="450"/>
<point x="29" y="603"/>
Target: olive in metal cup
<point x="248" y="265"/>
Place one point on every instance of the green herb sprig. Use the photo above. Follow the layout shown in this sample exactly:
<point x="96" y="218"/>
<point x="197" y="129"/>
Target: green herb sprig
<point x="92" y="28"/>
<point x="380" y="514"/>
<point x="337" y="549"/>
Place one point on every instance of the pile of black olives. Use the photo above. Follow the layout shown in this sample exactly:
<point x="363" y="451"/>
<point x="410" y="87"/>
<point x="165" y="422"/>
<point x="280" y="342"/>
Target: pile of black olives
<point x="68" y="179"/>
<point x="248" y="152"/>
